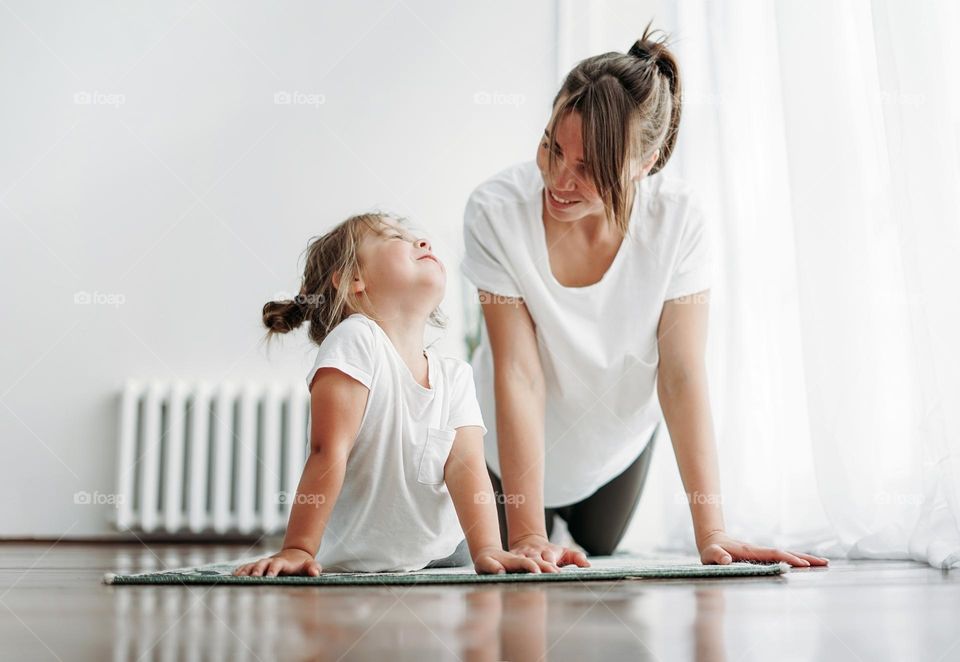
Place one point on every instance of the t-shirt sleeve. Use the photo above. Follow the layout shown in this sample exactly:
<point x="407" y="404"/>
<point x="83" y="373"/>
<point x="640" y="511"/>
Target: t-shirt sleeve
<point x="485" y="262"/>
<point x="693" y="270"/>
<point x="349" y="349"/>
<point x="464" y="408"/>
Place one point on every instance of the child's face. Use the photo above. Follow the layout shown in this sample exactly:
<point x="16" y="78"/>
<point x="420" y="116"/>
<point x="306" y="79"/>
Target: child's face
<point x="399" y="270"/>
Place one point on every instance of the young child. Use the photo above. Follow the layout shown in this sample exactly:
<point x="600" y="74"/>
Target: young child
<point x="396" y="478"/>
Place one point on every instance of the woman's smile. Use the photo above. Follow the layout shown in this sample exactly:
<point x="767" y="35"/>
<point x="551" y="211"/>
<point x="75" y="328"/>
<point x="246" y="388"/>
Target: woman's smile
<point x="558" y="202"/>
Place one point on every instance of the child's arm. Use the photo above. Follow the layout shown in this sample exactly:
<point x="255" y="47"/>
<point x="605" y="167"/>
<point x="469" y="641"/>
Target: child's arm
<point x="465" y="474"/>
<point x="337" y="403"/>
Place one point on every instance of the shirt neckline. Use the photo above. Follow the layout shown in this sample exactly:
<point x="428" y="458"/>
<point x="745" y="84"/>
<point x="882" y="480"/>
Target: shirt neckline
<point x="405" y="369"/>
<point x="541" y="234"/>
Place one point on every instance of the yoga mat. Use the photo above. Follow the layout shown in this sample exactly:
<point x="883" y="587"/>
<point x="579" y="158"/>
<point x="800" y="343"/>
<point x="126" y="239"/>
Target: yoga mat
<point x="604" y="568"/>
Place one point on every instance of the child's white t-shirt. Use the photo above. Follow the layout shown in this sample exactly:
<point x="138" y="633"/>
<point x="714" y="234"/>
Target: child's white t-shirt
<point x="597" y="344"/>
<point x="394" y="511"/>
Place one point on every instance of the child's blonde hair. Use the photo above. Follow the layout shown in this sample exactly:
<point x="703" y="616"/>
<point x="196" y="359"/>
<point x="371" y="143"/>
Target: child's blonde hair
<point x="318" y="301"/>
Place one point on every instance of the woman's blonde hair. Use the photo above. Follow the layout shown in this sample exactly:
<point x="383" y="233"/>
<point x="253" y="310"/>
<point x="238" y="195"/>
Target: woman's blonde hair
<point x="629" y="104"/>
<point x="318" y="301"/>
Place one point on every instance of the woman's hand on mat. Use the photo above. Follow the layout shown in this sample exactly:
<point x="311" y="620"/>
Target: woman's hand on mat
<point x="720" y="549"/>
<point x="496" y="561"/>
<point x="549" y="557"/>
<point x="285" y="562"/>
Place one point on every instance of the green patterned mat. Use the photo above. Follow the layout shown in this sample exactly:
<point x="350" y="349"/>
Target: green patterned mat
<point x="604" y="568"/>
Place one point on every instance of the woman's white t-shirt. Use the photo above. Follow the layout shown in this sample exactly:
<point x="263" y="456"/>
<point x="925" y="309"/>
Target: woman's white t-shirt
<point x="394" y="511"/>
<point x="597" y="344"/>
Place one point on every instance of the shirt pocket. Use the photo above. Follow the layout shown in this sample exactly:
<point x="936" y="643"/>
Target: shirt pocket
<point x="435" y="452"/>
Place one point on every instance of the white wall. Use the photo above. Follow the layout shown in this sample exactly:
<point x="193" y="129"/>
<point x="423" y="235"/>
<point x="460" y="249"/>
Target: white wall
<point x="183" y="188"/>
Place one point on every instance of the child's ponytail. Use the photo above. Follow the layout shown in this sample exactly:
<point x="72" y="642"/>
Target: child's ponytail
<point x="318" y="301"/>
<point x="283" y="316"/>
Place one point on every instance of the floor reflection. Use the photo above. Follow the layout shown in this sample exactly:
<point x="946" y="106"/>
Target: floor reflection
<point x="576" y="621"/>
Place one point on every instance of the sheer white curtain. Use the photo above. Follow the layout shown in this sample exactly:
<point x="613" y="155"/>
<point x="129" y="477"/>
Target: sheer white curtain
<point x="824" y="140"/>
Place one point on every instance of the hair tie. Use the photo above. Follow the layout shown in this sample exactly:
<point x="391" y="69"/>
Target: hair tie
<point x="639" y="51"/>
<point x="651" y="58"/>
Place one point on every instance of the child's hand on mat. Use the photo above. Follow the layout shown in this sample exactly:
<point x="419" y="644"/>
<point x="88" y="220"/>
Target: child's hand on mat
<point x="549" y="557"/>
<point x="720" y="549"/>
<point x="496" y="561"/>
<point x="285" y="562"/>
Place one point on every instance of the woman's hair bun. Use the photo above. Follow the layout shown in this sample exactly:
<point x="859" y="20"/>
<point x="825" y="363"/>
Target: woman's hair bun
<point x="650" y="46"/>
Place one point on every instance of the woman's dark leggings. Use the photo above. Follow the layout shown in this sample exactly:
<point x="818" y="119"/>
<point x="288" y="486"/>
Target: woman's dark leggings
<point x="598" y="522"/>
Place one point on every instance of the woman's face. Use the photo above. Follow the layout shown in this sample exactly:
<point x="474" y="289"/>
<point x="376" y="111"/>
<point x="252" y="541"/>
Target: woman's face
<point x="569" y="193"/>
<point x="571" y="181"/>
<point x="399" y="272"/>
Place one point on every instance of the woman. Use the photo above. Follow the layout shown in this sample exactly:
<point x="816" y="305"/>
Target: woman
<point x="594" y="278"/>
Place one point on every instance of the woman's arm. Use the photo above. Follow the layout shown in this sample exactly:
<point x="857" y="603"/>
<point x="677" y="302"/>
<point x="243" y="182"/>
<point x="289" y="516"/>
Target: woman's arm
<point x="465" y="474"/>
<point x="520" y="391"/>
<point x="682" y="389"/>
<point x="684" y="399"/>
<point x="337" y="403"/>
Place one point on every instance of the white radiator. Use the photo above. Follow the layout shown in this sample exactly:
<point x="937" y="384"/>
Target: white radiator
<point x="203" y="458"/>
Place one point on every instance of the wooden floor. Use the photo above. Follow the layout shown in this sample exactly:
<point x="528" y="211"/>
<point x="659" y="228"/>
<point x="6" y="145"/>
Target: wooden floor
<point x="53" y="607"/>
